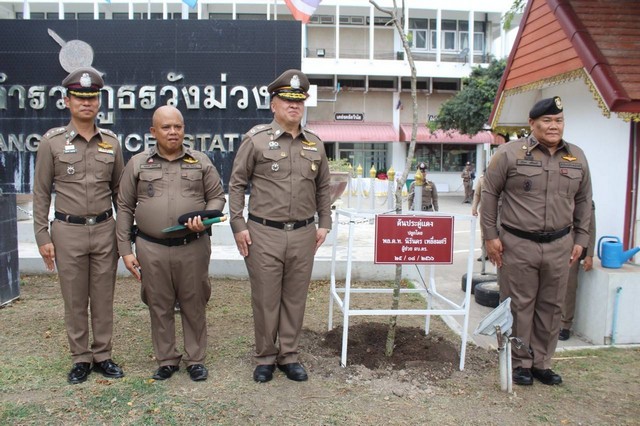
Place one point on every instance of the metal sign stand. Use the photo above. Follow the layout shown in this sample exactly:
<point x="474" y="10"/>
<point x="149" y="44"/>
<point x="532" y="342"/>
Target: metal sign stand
<point x="431" y="294"/>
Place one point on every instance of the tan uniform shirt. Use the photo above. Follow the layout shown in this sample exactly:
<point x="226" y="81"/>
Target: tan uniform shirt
<point x="289" y="177"/>
<point x="85" y="173"/>
<point x="429" y="195"/>
<point x="158" y="192"/>
<point x="477" y="194"/>
<point x="540" y="192"/>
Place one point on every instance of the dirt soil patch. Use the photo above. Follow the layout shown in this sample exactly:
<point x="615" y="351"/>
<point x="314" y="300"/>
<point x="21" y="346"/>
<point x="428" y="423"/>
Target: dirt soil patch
<point x="420" y="384"/>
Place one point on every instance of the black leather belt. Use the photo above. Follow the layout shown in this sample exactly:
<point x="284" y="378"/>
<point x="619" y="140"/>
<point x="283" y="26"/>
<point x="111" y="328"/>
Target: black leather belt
<point x="84" y="220"/>
<point x="538" y="237"/>
<point x="173" y="242"/>
<point x="289" y="226"/>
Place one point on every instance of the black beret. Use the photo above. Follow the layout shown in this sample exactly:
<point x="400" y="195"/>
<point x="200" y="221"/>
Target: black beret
<point x="291" y="85"/>
<point x="204" y="214"/>
<point x="548" y="106"/>
<point x="422" y="166"/>
<point x="84" y="82"/>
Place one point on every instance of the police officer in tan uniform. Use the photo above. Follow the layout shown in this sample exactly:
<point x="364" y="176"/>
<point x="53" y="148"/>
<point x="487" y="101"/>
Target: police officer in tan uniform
<point x="475" y="209"/>
<point x="467" y="181"/>
<point x="158" y="186"/>
<point x="545" y="186"/>
<point x="286" y="167"/>
<point x="84" y="163"/>
<point x="586" y="260"/>
<point x="429" y="192"/>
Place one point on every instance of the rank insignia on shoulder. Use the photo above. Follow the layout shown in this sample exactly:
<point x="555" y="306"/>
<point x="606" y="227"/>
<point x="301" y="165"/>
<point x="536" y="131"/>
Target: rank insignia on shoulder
<point x="189" y="160"/>
<point x="105" y="145"/>
<point x="54" y="132"/>
<point x="258" y="128"/>
<point x="569" y="158"/>
<point x="107" y="132"/>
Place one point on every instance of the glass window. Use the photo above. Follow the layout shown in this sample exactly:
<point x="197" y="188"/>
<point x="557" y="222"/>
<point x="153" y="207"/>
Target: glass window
<point x="478" y="42"/>
<point x="89" y="16"/>
<point x="420" y="39"/>
<point x="431" y="155"/>
<point x="449" y="24"/>
<point x="364" y="154"/>
<point x="455" y="156"/>
<point x="448" y="40"/>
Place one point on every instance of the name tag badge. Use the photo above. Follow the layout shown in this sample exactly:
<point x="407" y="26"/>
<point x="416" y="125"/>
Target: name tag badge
<point x="190" y="166"/>
<point x="106" y="151"/>
<point x="571" y="165"/>
<point x="309" y="148"/>
<point x="150" y="166"/>
<point x="532" y="163"/>
<point x="69" y="149"/>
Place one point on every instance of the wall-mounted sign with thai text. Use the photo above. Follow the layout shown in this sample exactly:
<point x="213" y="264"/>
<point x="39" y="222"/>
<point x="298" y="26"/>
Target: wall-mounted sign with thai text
<point x="349" y="116"/>
<point x="215" y="72"/>
<point x="414" y="239"/>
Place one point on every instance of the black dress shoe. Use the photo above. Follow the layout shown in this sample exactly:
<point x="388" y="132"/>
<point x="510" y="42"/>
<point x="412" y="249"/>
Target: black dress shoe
<point x="565" y="333"/>
<point x="546" y="376"/>
<point x="109" y="369"/>
<point x="198" y="372"/>
<point x="294" y="371"/>
<point x="522" y="376"/>
<point x="263" y="373"/>
<point x="165" y="372"/>
<point x="79" y="373"/>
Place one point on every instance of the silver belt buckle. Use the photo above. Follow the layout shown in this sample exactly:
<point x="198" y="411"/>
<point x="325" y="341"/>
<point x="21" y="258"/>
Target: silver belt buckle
<point x="289" y="226"/>
<point x="90" y="220"/>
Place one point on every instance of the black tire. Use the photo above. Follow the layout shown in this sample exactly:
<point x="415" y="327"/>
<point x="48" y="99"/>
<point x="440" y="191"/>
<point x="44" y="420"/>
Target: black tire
<point x="488" y="294"/>
<point x="476" y="279"/>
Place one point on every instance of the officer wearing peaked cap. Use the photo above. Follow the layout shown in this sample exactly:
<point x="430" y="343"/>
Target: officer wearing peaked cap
<point x="85" y="163"/>
<point x="429" y="192"/>
<point x="286" y="167"/>
<point x="544" y="185"/>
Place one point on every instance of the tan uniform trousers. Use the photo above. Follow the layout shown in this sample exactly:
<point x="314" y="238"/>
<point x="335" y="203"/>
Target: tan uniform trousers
<point x="87" y="258"/>
<point x="279" y="265"/>
<point x="569" y="306"/>
<point x="535" y="276"/>
<point x="176" y="273"/>
<point x="468" y="190"/>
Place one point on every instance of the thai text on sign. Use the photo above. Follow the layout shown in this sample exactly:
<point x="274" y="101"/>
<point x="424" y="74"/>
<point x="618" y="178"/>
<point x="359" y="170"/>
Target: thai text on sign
<point x="413" y="239"/>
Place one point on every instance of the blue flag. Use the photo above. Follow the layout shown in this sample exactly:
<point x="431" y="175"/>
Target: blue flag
<point x="191" y="3"/>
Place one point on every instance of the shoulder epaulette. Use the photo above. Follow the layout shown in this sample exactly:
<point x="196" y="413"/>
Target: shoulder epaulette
<point x="309" y="131"/>
<point x="107" y="132"/>
<point x="259" y="129"/>
<point x="56" y="131"/>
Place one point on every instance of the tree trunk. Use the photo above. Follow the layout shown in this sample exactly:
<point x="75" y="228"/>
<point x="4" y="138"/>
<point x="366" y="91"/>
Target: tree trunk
<point x="391" y="334"/>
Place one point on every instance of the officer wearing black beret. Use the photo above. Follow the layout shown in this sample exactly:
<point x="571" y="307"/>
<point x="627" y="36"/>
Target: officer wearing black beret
<point x="549" y="106"/>
<point x="285" y="165"/>
<point x="84" y="162"/>
<point x="545" y="188"/>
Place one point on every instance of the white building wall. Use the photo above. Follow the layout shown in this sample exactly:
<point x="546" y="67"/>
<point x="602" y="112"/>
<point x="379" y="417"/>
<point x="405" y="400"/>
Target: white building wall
<point x="605" y="142"/>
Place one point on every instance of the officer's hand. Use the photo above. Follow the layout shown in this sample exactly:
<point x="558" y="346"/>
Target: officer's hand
<point x="132" y="265"/>
<point x="588" y="263"/>
<point x="494" y="251"/>
<point x="321" y="235"/>
<point x="48" y="253"/>
<point x="195" y="224"/>
<point x="575" y="254"/>
<point x="474" y="212"/>
<point x="243" y="241"/>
